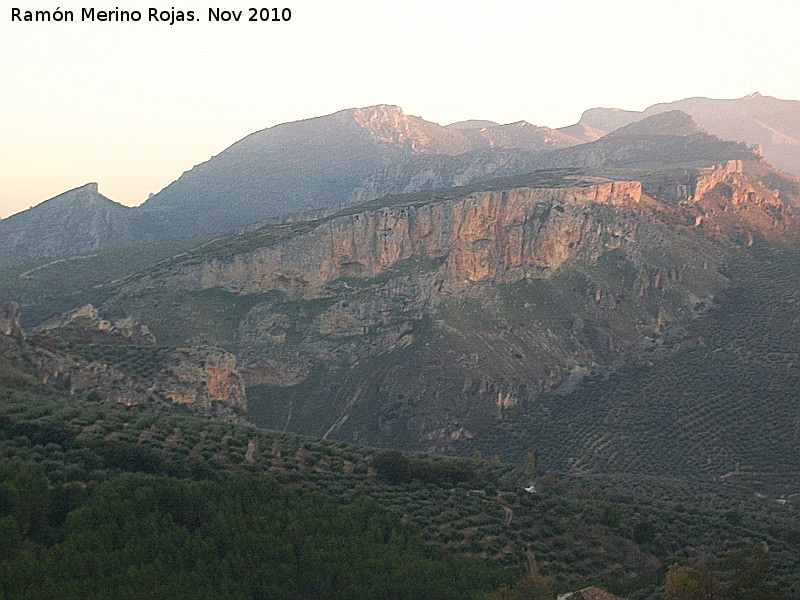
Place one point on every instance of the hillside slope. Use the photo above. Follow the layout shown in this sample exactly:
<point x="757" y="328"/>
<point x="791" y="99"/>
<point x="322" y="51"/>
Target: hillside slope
<point x="321" y="162"/>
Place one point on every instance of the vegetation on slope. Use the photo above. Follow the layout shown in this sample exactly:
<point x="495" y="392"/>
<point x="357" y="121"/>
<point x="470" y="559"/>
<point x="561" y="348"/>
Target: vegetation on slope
<point x="717" y="399"/>
<point x="151" y="503"/>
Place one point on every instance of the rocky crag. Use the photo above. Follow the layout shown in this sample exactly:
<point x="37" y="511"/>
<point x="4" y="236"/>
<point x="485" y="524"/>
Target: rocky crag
<point x="76" y="222"/>
<point x="84" y="354"/>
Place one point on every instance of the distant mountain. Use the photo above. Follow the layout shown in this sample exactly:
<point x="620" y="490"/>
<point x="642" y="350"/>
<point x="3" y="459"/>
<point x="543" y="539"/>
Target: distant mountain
<point x="76" y="222"/>
<point x="755" y="119"/>
<point x="473" y="124"/>
<point x="673" y="122"/>
<point x="658" y="142"/>
<point x="321" y="162"/>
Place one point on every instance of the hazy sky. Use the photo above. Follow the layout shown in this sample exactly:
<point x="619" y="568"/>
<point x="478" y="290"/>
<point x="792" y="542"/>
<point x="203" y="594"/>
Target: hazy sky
<point x="133" y="105"/>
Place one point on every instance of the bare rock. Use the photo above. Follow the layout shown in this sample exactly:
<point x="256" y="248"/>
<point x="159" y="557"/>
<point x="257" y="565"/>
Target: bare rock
<point x="9" y="320"/>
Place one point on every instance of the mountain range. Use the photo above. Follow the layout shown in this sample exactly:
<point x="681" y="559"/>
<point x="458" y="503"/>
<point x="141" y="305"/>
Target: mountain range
<point x="357" y="155"/>
<point x="768" y="122"/>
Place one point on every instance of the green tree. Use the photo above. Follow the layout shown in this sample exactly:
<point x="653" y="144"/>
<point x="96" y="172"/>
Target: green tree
<point x="10" y="537"/>
<point x="685" y="583"/>
<point x="530" y="462"/>
<point x="392" y="466"/>
<point x="751" y="568"/>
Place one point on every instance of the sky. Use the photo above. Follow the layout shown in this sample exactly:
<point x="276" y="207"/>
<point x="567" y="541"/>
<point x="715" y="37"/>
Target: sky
<point x="133" y="105"/>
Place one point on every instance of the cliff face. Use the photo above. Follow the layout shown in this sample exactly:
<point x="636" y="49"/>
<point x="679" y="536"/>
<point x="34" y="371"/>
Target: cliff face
<point x="498" y="237"/>
<point x="9" y="321"/>
<point x="201" y="377"/>
<point x="732" y="200"/>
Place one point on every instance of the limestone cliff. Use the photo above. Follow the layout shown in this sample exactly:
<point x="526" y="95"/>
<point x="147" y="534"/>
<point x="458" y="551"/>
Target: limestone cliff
<point x="201" y="377"/>
<point x="732" y="199"/>
<point x="500" y="237"/>
<point x="9" y="321"/>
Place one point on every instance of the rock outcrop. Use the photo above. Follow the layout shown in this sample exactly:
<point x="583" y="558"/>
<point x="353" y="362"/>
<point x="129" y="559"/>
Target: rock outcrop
<point x="119" y="362"/>
<point x="9" y="321"/>
<point x="709" y="178"/>
<point x="201" y="376"/>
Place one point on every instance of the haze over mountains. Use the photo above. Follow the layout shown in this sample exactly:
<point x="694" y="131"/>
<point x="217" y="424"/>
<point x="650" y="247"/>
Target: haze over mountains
<point x="772" y="123"/>
<point x="357" y="155"/>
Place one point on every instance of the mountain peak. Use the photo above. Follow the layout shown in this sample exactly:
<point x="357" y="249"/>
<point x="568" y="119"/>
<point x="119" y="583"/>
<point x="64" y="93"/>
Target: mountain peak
<point x="473" y="124"/>
<point x="77" y="221"/>
<point x="388" y="124"/>
<point x="83" y="195"/>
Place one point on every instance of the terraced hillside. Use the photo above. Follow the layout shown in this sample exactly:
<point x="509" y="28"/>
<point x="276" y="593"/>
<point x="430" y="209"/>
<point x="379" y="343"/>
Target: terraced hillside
<point x="719" y="398"/>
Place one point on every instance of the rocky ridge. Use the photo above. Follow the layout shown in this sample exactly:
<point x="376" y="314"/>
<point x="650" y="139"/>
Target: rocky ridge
<point x="79" y="221"/>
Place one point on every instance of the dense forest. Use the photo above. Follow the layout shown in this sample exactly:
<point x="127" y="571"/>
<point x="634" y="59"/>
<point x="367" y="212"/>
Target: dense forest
<point x="149" y="536"/>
